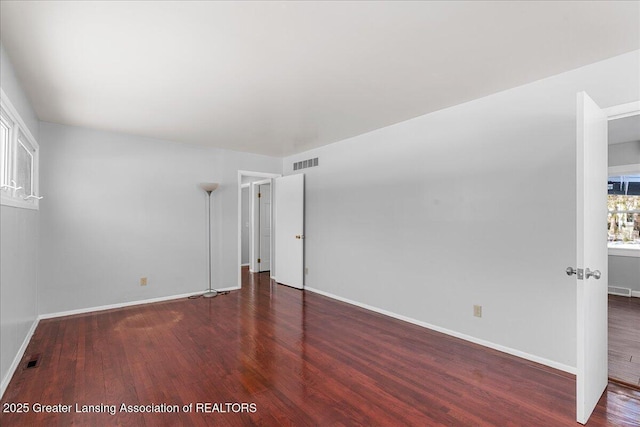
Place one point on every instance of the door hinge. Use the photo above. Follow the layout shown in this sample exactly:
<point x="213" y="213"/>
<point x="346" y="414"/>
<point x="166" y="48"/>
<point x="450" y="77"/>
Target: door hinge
<point x="259" y="195"/>
<point x="259" y="260"/>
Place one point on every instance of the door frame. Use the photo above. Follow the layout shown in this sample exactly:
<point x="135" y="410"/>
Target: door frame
<point x="620" y="112"/>
<point x="254" y="174"/>
<point x="623" y="110"/>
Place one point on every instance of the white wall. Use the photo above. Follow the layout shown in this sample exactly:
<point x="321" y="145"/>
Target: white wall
<point x="122" y="207"/>
<point x="624" y="154"/>
<point x="624" y="272"/>
<point x="19" y="246"/>
<point x="474" y="204"/>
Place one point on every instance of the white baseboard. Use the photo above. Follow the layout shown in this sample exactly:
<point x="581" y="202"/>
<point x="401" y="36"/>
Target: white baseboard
<point x="635" y="294"/>
<point x="244" y="265"/>
<point x="18" y="358"/>
<point x="127" y="304"/>
<point x="489" y="344"/>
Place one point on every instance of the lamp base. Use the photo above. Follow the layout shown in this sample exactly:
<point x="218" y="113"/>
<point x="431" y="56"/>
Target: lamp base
<point x="210" y="294"/>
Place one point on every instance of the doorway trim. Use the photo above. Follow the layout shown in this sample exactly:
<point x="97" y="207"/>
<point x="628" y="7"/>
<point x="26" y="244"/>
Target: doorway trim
<point x="241" y="174"/>
<point x="623" y="110"/>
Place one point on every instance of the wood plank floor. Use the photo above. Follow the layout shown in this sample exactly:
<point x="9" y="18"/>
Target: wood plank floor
<point x="624" y="339"/>
<point x="300" y="358"/>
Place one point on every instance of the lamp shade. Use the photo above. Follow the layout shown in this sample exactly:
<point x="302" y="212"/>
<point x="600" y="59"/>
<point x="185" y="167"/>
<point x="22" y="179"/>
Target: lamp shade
<point x="209" y="186"/>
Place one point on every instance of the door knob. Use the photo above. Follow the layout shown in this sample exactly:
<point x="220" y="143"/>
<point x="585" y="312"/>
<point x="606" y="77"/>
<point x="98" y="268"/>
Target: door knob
<point x="595" y="274"/>
<point x="299" y="236"/>
<point x="582" y="274"/>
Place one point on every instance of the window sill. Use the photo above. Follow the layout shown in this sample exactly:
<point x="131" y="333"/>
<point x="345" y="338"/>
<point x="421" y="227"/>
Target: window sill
<point x="17" y="203"/>
<point x="624" y="249"/>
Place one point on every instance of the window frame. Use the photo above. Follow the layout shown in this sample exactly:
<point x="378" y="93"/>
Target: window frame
<point x="18" y="134"/>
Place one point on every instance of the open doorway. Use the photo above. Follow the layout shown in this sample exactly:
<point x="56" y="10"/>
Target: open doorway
<point x="624" y="249"/>
<point x="255" y="222"/>
<point x="260" y="226"/>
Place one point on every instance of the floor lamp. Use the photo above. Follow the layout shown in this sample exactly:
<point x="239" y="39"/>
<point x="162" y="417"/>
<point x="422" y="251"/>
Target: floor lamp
<point x="209" y="187"/>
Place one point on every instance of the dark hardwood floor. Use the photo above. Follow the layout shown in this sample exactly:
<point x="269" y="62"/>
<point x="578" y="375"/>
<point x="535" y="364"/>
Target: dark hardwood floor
<point x="624" y="340"/>
<point x="295" y="357"/>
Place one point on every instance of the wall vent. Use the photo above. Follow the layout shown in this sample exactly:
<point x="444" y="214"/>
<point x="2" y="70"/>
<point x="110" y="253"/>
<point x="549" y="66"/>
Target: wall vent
<point x="303" y="164"/>
<point x="615" y="290"/>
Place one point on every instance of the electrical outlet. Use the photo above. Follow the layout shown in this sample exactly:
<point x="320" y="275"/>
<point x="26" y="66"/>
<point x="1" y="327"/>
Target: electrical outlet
<point x="306" y="270"/>
<point x="143" y="281"/>
<point x="477" y="310"/>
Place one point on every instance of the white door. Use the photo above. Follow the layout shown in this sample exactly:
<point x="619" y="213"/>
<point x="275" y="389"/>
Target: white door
<point x="591" y="271"/>
<point x="264" y="196"/>
<point x="289" y="233"/>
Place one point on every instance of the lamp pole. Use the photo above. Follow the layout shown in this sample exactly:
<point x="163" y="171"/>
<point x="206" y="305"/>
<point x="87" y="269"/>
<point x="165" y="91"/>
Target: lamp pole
<point x="209" y="187"/>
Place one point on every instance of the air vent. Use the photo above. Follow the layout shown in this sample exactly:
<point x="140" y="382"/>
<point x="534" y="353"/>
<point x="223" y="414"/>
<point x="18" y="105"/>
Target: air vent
<point x="623" y="292"/>
<point x="303" y="164"/>
<point x="33" y="361"/>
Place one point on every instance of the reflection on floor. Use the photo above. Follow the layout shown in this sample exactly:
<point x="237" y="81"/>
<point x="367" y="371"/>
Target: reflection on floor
<point x="624" y="339"/>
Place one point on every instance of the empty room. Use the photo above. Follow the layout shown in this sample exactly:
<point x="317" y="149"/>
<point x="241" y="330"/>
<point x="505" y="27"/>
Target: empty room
<point x="318" y="213"/>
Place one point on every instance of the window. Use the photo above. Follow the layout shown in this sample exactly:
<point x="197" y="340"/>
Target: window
<point x="18" y="160"/>
<point x="624" y="210"/>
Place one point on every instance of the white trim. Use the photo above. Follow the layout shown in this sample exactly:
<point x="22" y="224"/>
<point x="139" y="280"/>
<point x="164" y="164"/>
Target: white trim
<point x="489" y="344"/>
<point x="623" y="110"/>
<point x="17" y="203"/>
<point x="261" y="182"/>
<point x="19" y="355"/>
<point x="244" y="265"/>
<point x="126" y="304"/>
<point x="635" y="294"/>
<point x="19" y="127"/>
<point x="258" y="174"/>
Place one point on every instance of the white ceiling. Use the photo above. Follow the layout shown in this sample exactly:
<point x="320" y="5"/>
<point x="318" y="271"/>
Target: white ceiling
<point x="278" y="78"/>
